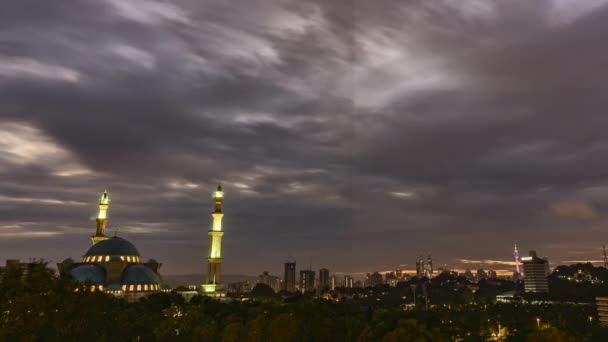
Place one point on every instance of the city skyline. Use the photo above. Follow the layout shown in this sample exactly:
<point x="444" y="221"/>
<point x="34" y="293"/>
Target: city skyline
<point x="350" y="135"/>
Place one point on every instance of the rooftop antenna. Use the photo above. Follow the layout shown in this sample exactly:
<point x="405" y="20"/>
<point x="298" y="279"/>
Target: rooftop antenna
<point x="605" y="257"/>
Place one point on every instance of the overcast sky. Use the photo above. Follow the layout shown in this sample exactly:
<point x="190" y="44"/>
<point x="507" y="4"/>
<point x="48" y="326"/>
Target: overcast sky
<point x="352" y="135"/>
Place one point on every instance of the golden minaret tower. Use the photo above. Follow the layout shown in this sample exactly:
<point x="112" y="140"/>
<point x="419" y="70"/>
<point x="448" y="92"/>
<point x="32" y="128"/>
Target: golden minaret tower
<point x="102" y="218"/>
<point x="214" y="261"/>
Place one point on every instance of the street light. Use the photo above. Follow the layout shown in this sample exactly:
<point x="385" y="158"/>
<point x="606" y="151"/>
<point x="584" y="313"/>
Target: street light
<point x="537" y="323"/>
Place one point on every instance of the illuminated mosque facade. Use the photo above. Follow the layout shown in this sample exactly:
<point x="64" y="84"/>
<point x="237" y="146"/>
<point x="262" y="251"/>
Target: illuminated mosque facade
<point x="114" y="265"/>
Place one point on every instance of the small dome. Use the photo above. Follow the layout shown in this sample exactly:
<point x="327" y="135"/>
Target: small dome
<point x="68" y="261"/>
<point x="113" y="246"/>
<point x="139" y="274"/>
<point x="89" y="273"/>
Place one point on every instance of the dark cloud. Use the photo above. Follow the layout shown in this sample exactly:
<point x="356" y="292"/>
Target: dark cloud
<point x="349" y="134"/>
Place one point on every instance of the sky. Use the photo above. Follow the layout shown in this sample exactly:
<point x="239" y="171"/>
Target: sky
<point x="352" y="135"/>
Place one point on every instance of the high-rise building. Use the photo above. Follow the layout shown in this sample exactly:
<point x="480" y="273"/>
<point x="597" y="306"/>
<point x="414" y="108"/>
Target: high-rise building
<point x="420" y="267"/>
<point x="481" y="274"/>
<point x="535" y="273"/>
<point x="273" y="282"/>
<point x="332" y="282"/>
<point x="428" y="267"/>
<point x="289" y="280"/>
<point x="348" y="282"/>
<point x="102" y="218"/>
<point x="213" y="287"/>
<point x="324" y="279"/>
<point x="307" y="281"/>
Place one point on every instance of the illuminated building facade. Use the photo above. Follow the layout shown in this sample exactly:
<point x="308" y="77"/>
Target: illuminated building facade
<point x="289" y="281"/>
<point x="517" y="262"/>
<point x="213" y="286"/>
<point x="602" y="310"/>
<point x="348" y="282"/>
<point x="113" y="265"/>
<point x="535" y="273"/>
<point x="102" y="218"/>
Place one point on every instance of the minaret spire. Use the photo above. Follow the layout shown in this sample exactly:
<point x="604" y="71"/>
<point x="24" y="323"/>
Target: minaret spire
<point x="214" y="261"/>
<point x="102" y="218"/>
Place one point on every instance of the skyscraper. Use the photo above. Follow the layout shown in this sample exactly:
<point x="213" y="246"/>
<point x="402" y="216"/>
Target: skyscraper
<point x="428" y="267"/>
<point x="214" y="261"/>
<point x="289" y="281"/>
<point x="348" y="282"/>
<point x="420" y="267"/>
<point x="333" y="282"/>
<point x="102" y="218"/>
<point x="324" y="279"/>
<point x="307" y="281"/>
<point x="535" y="274"/>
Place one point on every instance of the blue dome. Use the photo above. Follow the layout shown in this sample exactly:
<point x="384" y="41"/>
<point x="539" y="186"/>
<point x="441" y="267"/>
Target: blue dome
<point x="89" y="273"/>
<point x="113" y="246"/>
<point x="139" y="274"/>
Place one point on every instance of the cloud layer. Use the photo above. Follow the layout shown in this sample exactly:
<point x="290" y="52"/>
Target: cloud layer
<point x="352" y="135"/>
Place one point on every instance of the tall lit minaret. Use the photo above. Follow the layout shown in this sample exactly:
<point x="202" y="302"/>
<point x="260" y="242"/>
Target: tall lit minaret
<point x="516" y="256"/>
<point x="214" y="261"/>
<point x="102" y="218"/>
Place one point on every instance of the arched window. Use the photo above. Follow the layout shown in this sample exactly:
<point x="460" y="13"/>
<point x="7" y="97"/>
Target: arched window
<point x="131" y="287"/>
<point x="138" y="287"/>
<point x="124" y="287"/>
<point x="107" y="258"/>
<point x="122" y="258"/>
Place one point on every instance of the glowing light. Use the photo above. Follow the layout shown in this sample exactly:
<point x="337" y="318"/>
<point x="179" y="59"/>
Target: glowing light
<point x="138" y="287"/>
<point x="218" y="194"/>
<point x="107" y="258"/>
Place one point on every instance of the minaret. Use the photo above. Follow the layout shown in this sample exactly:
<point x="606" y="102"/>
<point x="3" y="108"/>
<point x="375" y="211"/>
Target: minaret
<point x="516" y="256"/>
<point x="214" y="261"/>
<point x="102" y="218"/>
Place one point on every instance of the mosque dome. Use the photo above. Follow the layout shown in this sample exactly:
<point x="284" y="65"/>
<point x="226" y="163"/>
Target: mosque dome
<point x="89" y="273"/>
<point x="139" y="274"/>
<point x="113" y="246"/>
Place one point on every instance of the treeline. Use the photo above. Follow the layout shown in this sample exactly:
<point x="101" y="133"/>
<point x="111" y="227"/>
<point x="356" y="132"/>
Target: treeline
<point x="36" y="305"/>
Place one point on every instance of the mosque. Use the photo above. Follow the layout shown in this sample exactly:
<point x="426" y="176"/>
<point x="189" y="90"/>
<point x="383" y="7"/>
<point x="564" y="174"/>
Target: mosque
<point x="114" y="265"/>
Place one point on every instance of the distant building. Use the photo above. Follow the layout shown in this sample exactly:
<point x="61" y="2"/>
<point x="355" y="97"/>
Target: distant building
<point x="468" y="275"/>
<point x="391" y="278"/>
<point x="239" y="288"/>
<point x="535" y="273"/>
<point x="481" y="274"/>
<point x="348" y="282"/>
<point x="289" y="281"/>
<point x="492" y="274"/>
<point x="273" y="282"/>
<point x="373" y="279"/>
<point x="324" y="283"/>
<point x="332" y="282"/>
<point x="428" y="267"/>
<point x="307" y="281"/>
<point x="420" y="267"/>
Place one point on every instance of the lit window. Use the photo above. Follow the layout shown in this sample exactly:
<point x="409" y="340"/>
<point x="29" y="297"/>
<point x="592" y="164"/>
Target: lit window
<point x="101" y="287"/>
<point x="107" y="258"/>
<point x="122" y="258"/>
<point x="93" y="288"/>
<point x="146" y="287"/>
<point x="131" y="288"/>
<point x="129" y="259"/>
<point x="138" y="287"/>
<point x="124" y="287"/>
